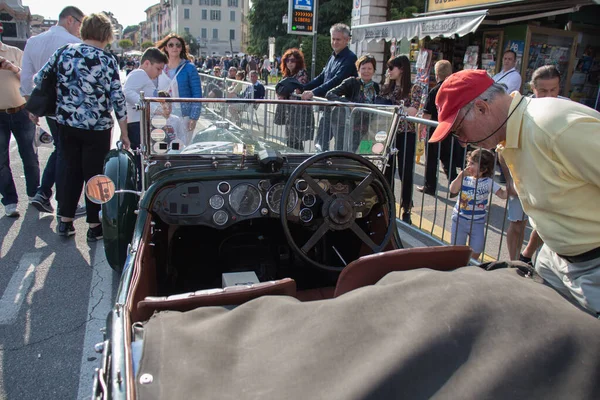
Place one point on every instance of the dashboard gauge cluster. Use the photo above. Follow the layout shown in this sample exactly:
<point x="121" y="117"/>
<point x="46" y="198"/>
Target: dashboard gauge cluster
<point x="222" y="203"/>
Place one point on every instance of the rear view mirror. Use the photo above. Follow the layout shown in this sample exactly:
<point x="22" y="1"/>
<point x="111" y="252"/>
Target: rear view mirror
<point x="100" y="189"/>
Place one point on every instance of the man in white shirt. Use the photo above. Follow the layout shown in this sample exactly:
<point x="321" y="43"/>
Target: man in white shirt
<point x="266" y="69"/>
<point x="509" y="76"/>
<point x="37" y="52"/>
<point x="144" y="79"/>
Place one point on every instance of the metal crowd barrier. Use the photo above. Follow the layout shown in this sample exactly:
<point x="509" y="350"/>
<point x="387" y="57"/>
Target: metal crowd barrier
<point x="431" y="214"/>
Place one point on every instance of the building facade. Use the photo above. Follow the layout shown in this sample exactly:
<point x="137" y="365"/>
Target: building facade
<point x="16" y="22"/>
<point x="217" y="25"/>
<point x="158" y="21"/>
<point x="40" y="25"/>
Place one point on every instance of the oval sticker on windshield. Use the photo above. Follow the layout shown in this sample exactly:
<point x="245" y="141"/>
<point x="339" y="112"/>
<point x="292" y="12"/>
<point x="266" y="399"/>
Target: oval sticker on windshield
<point x="160" y="147"/>
<point x="380" y="136"/>
<point x="377" y="148"/>
<point x="159" y="121"/>
<point x="158" y="135"/>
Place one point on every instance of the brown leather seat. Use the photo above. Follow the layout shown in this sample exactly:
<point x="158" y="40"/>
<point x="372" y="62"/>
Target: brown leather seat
<point x="233" y="295"/>
<point x="368" y="270"/>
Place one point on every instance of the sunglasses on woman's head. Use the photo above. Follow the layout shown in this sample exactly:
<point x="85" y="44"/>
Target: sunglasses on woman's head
<point x="174" y="44"/>
<point x="292" y="60"/>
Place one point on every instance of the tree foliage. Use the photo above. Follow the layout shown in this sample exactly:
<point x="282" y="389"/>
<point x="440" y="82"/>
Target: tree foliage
<point x="323" y="52"/>
<point x="400" y="9"/>
<point x="131" y="28"/>
<point x="192" y="43"/>
<point x="125" y="44"/>
<point x="145" y="45"/>
<point x="266" y="21"/>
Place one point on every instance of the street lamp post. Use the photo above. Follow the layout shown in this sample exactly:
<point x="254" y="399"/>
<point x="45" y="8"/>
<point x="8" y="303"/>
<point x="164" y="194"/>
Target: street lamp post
<point x="313" y="64"/>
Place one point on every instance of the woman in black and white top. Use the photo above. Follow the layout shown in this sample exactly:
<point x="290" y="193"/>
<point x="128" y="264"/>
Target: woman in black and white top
<point x="88" y="90"/>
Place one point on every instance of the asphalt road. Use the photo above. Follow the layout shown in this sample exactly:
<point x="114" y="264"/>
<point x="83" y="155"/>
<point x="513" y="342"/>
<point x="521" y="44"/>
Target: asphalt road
<point x="56" y="293"/>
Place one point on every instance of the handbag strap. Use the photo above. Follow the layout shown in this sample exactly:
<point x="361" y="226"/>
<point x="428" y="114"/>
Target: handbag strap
<point x="58" y="54"/>
<point x="174" y="80"/>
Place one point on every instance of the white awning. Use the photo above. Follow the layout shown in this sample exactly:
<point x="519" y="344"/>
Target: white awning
<point x="446" y="25"/>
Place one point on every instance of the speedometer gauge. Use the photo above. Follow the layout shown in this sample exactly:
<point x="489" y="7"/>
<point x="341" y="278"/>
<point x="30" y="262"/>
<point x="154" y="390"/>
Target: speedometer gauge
<point x="245" y="199"/>
<point x="274" y="198"/>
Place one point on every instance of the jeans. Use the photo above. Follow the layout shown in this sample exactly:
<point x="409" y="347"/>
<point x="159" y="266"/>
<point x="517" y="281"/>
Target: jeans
<point x="23" y="130"/>
<point x="443" y="151"/>
<point x="134" y="132"/>
<point x="80" y="157"/>
<point x="49" y="175"/>
<point x="406" y="143"/>
<point x="331" y="125"/>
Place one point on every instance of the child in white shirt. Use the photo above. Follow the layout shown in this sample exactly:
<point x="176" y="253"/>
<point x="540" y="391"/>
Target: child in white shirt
<point x="474" y="184"/>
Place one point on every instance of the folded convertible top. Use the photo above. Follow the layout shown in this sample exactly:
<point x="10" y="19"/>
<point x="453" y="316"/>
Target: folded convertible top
<point x="466" y="334"/>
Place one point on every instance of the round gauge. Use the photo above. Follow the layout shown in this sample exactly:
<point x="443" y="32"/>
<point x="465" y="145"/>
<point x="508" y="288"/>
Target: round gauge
<point x="306" y="215"/>
<point x="274" y="198"/>
<point x="216" y="201"/>
<point x="264" y="185"/>
<point x="245" y="199"/>
<point x="220" y="218"/>
<point x="224" y="188"/>
<point x="309" y="199"/>
<point x="301" y="185"/>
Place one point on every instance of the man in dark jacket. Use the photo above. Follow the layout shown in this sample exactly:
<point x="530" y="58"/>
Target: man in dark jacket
<point x="341" y="65"/>
<point x="445" y="150"/>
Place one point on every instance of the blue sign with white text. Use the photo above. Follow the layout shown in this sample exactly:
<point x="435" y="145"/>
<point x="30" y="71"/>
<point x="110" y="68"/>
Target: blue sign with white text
<point x="306" y="5"/>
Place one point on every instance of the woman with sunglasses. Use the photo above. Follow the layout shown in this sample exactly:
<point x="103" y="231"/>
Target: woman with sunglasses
<point x="396" y="89"/>
<point x="361" y="89"/>
<point x="298" y="120"/>
<point x="180" y="79"/>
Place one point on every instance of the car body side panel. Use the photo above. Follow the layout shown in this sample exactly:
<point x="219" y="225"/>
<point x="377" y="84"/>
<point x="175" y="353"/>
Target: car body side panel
<point x="118" y="216"/>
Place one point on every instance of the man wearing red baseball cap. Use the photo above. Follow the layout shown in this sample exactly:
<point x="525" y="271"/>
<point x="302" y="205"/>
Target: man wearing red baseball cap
<point x="551" y="147"/>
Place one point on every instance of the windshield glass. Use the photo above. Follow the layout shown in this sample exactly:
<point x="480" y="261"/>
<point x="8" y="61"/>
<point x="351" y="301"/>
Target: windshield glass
<point x="244" y="126"/>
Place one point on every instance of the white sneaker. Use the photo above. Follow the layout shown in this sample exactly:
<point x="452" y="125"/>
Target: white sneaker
<point x="11" y="210"/>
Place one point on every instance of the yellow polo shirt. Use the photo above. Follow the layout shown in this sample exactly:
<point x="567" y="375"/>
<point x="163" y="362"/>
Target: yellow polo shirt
<point x="10" y="97"/>
<point x="553" y="152"/>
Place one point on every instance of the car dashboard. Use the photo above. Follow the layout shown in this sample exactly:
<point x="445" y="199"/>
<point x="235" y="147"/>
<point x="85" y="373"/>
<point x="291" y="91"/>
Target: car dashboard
<point x="222" y="203"/>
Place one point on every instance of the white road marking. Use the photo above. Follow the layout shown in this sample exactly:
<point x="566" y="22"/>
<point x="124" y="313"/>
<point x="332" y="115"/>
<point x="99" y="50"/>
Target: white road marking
<point x="99" y="306"/>
<point x="17" y="288"/>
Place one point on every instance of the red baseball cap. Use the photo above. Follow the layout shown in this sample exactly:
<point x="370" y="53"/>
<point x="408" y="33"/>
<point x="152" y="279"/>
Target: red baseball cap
<point x="456" y="92"/>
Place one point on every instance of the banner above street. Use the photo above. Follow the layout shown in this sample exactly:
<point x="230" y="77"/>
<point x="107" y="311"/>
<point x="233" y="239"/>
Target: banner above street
<point x="446" y="25"/>
<point x="445" y="5"/>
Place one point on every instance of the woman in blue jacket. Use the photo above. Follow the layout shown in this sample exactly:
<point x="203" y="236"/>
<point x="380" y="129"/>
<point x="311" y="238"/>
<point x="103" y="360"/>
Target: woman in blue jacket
<point x="180" y="78"/>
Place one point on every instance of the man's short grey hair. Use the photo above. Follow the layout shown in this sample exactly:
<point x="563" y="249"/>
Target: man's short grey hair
<point x="489" y="95"/>
<point x="339" y="27"/>
<point x="70" y="11"/>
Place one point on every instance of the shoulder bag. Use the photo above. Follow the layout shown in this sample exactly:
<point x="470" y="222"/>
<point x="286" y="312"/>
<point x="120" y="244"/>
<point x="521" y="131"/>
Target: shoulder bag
<point x="42" y="101"/>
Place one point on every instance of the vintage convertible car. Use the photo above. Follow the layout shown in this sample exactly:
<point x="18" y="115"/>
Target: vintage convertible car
<point x="254" y="270"/>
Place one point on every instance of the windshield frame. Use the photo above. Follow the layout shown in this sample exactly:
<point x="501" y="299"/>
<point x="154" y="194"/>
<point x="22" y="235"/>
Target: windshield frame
<point x="201" y="159"/>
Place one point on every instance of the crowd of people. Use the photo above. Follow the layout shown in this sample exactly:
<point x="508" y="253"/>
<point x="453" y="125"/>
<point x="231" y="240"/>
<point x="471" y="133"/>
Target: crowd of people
<point x="88" y="91"/>
<point x="545" y="145"/>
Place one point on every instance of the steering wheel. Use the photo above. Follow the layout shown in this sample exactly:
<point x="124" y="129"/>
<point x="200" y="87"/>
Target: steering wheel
<point x="338" y="211"/>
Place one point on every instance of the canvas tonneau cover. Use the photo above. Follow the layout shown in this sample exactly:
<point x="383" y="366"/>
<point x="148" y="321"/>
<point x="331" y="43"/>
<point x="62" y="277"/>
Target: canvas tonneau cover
<point x="467" y="334"/>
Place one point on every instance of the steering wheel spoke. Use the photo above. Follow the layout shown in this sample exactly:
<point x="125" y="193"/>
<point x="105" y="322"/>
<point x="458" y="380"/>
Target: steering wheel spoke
<point x="319" y="233"/>
<point x="339" y="212"/>
<point x="364" y="237"/>
<point x="362" y="186"/>
<point x="316" y="188"/>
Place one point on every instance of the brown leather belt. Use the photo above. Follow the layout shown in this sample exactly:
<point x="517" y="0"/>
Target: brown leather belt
<point x="13" y="110"/>
<point x="587" y="256"/>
